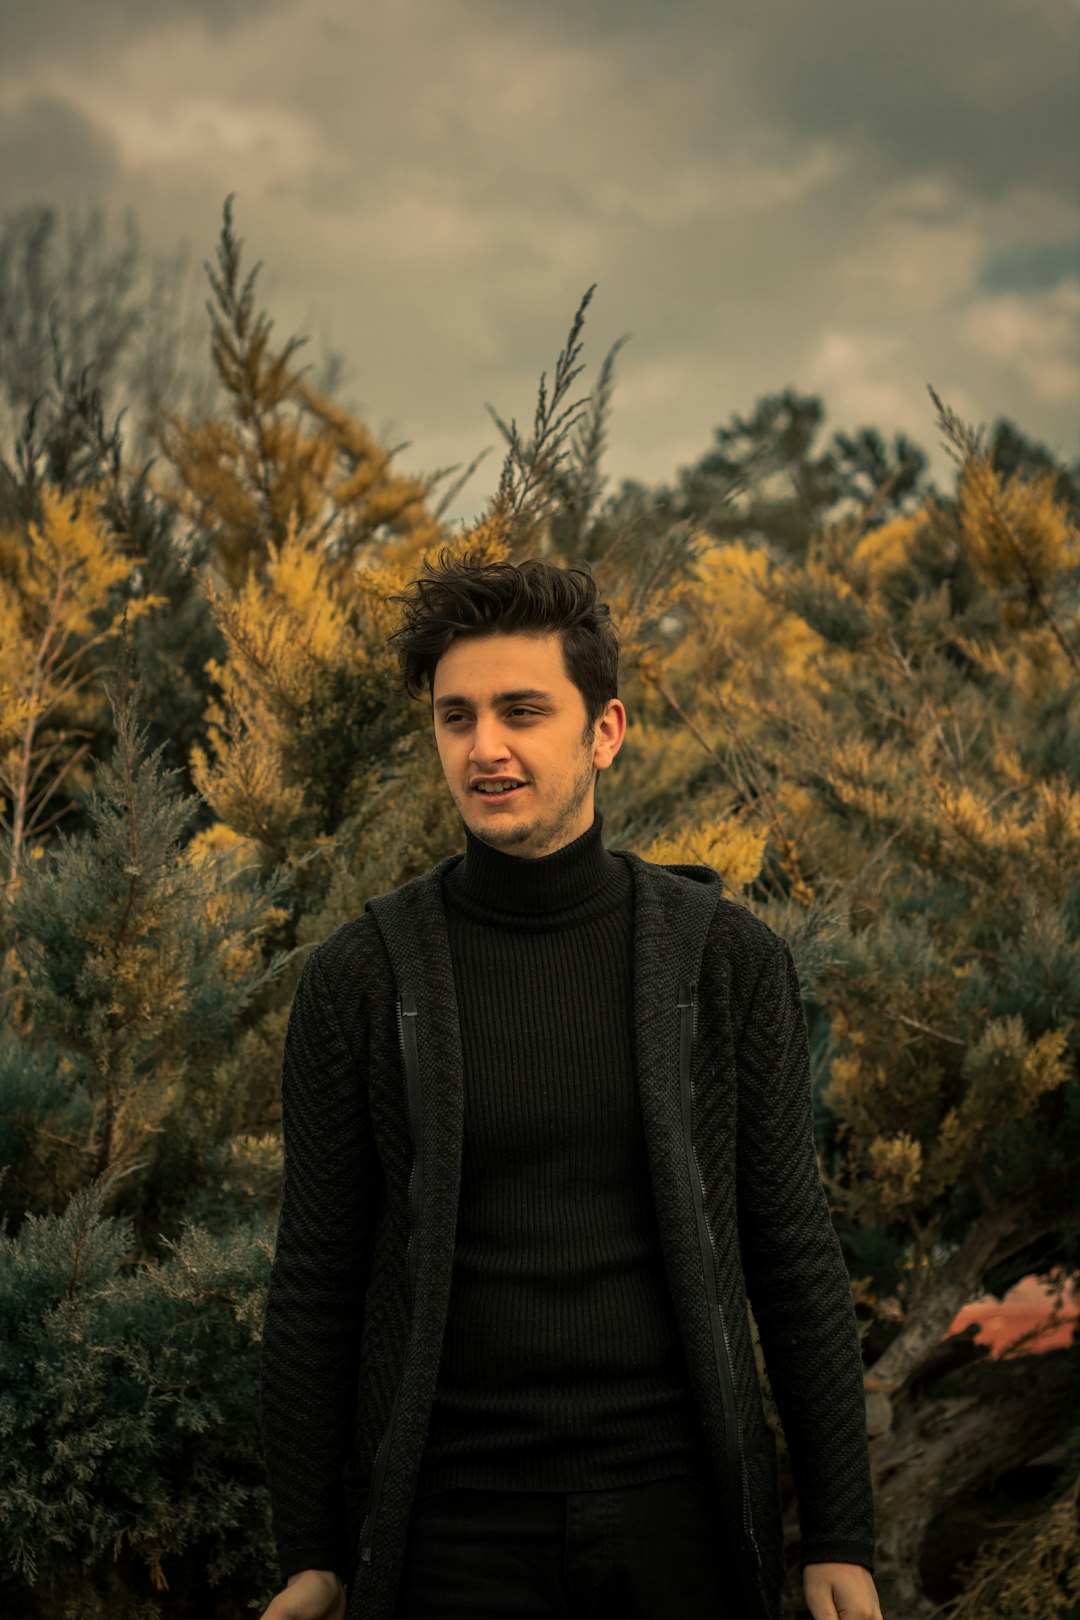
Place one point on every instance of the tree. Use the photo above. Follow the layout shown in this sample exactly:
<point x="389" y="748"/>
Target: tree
<point x="280" y="458"/>
<point x="129" y="962"/>
<point x="853" y="697"/>
<point x="763" y="482"/>
<point x="133" y="1485"/>
<point x="890" y="726"/>
<point x="81" y="541"/>
<point x="75" y="304"/>
<point x="143" y="1200"/>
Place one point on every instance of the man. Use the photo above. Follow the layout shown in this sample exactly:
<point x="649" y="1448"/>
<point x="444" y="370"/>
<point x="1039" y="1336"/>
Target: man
<point x="547" y="1126"/>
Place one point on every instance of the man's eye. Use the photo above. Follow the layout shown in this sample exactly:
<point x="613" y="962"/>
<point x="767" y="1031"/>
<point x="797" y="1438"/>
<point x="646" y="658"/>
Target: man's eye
<point x="455" y="714"/>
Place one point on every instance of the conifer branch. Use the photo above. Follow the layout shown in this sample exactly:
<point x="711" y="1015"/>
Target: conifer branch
<point x="760" y="790"/>
<point x="455" y="489"/>
<point x="538" y="461"/>
<point x="966" y="453"/>
<point x="583" y="484"/>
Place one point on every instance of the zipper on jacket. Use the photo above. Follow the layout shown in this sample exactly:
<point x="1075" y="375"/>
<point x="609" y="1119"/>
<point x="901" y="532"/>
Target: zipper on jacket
<point x="406" y="1009"/>
<point x="732" y="1421"/>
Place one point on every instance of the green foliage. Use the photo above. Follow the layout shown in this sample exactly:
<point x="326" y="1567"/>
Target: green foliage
<point x="45" y="1113"/>
<point x="135" y="963"/>
<point x="857" y="699"/>
<point x="132" y="1478"/>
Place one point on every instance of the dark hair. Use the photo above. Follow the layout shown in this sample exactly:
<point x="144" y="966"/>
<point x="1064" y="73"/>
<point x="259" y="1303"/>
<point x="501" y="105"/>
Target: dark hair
<point x="469" y="597"/>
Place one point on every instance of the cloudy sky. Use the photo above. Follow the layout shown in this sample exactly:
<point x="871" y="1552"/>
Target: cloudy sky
<point x="853" y="198"/>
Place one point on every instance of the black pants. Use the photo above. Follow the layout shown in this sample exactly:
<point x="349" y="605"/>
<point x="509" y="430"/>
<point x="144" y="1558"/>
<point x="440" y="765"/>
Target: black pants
<point x="636" y="1552"/>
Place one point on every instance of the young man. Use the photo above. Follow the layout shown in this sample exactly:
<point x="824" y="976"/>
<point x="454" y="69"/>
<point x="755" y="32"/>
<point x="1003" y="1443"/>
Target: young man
<point x="547" y="1125"/>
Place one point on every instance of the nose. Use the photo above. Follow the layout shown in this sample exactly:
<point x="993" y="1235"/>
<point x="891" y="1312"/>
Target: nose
<point x="489" y="749"/>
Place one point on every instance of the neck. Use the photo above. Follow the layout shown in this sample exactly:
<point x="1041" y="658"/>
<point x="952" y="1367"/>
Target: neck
<point x="497" y="881"/>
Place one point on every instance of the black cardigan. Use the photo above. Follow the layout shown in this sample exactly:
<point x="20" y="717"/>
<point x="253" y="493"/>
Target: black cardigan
<point x="372" y="1119"/>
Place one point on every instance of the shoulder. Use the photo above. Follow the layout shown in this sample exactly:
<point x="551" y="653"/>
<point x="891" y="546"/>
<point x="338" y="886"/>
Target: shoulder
<point x="353" y="944"/>
<point x="353" y="961"/>
<point x="744" y="954"/>
<point x="744" y="934"/>
<point x="733" y="926"/>
<point x="352" y="969"/>
<point x="739" y="946"/>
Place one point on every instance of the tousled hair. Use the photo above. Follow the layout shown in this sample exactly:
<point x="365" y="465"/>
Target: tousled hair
<point x="466" y="596"/>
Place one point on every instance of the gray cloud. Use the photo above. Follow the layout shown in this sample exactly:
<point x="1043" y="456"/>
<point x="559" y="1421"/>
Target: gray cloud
<point x="51" y="150"/>
<point x="36" y="29"/>
<point x="849" y="200"/>
<point x="981" y="92"/>
<point x="1030" y="267"/>
<point x="986" y="92"/>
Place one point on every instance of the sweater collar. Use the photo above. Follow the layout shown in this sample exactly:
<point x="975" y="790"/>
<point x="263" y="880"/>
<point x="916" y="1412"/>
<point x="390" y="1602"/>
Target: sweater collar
<point x="492" y="880"/>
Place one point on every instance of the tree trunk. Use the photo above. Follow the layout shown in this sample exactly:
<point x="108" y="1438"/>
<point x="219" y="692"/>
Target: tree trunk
<point x="930" y="1317"/>
<point x="940" y="1447"/>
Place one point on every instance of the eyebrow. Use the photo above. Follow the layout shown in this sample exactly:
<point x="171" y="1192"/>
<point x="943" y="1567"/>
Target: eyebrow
<point x="451" y="702"/>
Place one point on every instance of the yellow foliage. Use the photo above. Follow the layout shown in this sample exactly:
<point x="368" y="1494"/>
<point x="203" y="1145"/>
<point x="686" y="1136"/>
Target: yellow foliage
<point x="281" y="630"/>
<point x="896" y="1163"/>
<point x="857" y="1086"/>
<point x="59" y="576"/>
<point x="732" y="848"/>
<point x="71" y="555"/>
<point x="880" y="551"/>
<point x="967" y="814"/>
<point x="1007" y="1074"/>
<point x="218" y="843"/>
<point x="1006" y="761"/>
<point x="248" y="1161"/>
<point x="1018" y="536"/>
<point x="243" y="781"/>
<point x="1032" y="1572"/>
<point x="1053" y="833"/>
<point x="727" y="579"/>
<point x="56" y="581"/>
<point x="286" y="459"/>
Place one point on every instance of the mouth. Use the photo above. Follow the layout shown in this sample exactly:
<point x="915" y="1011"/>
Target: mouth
<point x="492" y="799"/>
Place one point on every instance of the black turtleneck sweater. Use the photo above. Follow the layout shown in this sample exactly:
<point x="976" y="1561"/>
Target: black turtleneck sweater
<point x="562" y="1367"/>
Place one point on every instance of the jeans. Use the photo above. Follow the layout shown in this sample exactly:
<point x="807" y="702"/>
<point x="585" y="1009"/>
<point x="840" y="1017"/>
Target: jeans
<point x="654" y="1551"/>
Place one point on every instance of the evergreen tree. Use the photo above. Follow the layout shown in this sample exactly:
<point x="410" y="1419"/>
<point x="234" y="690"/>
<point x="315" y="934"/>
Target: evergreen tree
<point x="854" y="697"/>
<point x="59" y="574"/>
<point x="139" y="1208"/>
<point x="77" y="297"/>
<point x="279" y="458"/>
<point x="131" y="958"/>
<point x="132" y="1485"/>
<point x="890" y="770"/>
<point x="66" y="456"/>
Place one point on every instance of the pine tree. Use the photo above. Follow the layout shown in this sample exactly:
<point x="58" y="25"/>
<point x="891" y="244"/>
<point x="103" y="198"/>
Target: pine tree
<point x="865" y="722"/>
<point x="57" y="584"/>
<point x="82" y="537"/>
<point x="890" y="772"/>
<point x="279" y="458"/>
<point x="133" y="1484"/>
<point x="131" y="959"/>
<point x="142" y="1201"/>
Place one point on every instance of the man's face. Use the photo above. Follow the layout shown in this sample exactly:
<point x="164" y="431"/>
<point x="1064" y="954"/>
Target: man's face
<point x="483" y="730"/>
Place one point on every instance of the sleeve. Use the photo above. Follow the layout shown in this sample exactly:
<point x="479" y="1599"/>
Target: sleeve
<point x="309" y="1369"/>
<point x="796" y="1277"/>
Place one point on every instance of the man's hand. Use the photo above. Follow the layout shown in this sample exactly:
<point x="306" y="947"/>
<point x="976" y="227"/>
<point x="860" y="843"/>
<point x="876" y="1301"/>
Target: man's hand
<point x="840" y="1592"/>
<point x="311" y="1594"/>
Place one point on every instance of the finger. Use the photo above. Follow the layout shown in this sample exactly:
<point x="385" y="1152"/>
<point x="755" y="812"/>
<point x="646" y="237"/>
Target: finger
<point x="821" y="1605"/>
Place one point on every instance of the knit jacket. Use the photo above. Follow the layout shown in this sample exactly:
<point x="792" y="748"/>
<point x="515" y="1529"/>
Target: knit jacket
<point x="372" y="1119"/>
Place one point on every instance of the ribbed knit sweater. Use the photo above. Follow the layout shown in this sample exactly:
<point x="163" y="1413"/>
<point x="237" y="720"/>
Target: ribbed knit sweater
<point x="562" y="1367"/>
